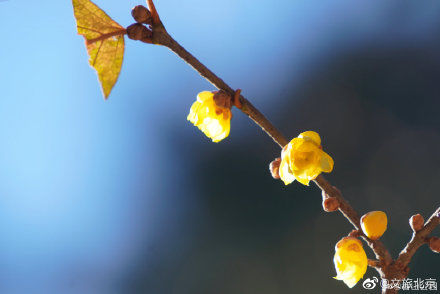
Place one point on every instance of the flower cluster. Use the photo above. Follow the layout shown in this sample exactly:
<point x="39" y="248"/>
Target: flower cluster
<point x="303" y="159"/>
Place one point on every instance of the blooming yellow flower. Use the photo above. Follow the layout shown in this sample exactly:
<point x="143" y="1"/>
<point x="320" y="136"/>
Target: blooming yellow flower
<point x="213" y="120"/>
<point x="374" y="224"/>
<point x="350" y="261"/>
<point x="303" y="159"/>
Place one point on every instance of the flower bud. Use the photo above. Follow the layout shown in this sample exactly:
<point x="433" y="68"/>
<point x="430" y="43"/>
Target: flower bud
<point x="274" y="168"/>
<point x="434" y="244"/>
<point x="330" y="204"/>
<point x="374" y="224"/>
<point x="139" y="32"/>
<point x="141" y="14"/>
<point x="416" y="222"/>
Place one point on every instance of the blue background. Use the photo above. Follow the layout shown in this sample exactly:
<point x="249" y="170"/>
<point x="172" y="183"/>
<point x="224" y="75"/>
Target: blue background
<point x="126" y="196"/>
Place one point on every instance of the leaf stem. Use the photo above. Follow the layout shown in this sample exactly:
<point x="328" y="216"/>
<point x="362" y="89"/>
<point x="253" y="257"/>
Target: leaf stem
<point x="106" y="36"/>
<point x="419" y="238"/>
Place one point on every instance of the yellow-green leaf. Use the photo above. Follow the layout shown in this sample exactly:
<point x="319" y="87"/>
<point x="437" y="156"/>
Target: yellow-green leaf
<point x="104" y="42"/>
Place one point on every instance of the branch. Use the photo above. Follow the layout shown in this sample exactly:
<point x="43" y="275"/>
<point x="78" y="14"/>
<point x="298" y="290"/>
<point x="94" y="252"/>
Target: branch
<point x="352" y="216"/>
<point x="418" y="239"/>
<point x="374" y="263"/>
<point x="161" y="37"/>
<point x="154" y="14"/>
<point x="384" y="263"/>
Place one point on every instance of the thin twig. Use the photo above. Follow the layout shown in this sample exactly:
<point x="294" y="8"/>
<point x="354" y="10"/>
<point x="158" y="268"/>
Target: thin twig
<point x="351" y="215"/>
<point x="154" y="14"/>
<point x="419" y="238"/>
<point x="374" y="263"/>
<point x="166" y="40"/>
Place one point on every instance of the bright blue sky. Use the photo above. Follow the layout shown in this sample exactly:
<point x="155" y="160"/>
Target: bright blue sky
<point x="81" y="176"/>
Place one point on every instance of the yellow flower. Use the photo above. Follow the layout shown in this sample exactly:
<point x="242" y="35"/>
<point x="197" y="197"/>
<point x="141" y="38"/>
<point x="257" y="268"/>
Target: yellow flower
<point x="213" y="120"/>
<point x="350" y="261"/>
<point x="374" y="224"/>
<point x="303" y="159"/>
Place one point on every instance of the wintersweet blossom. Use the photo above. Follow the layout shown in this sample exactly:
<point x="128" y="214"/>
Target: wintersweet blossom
<point x="350" y="261"/>
<point x="374" y="224"/>
<point x="213" y="120"/>
<point x="303" y="159"/>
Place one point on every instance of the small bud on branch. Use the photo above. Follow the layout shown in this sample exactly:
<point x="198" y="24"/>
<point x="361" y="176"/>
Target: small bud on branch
<point x="141" y="14"/>
<point x="139" y="32"/>
<point x="330" y="204"/>
<point x="274" y="168"/>
<point x="416" y="222"/>
<point x="434" y="244"/>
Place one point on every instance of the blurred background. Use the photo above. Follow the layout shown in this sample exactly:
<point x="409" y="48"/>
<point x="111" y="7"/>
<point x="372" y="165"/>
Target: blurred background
<point x="126" y="196"/>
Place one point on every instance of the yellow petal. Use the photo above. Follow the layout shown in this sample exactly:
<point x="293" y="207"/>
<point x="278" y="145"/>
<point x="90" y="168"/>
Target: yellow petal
<point x="205" y="95"/>
<point x="311" y="136"/>
<point x="326" y="162"/>
<point x="350" y="261"/>
<point x="285" y="173"/>
<point x="192" y="116"/>
<point x="300" y="177"/>
<point x="295" y="143"/>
